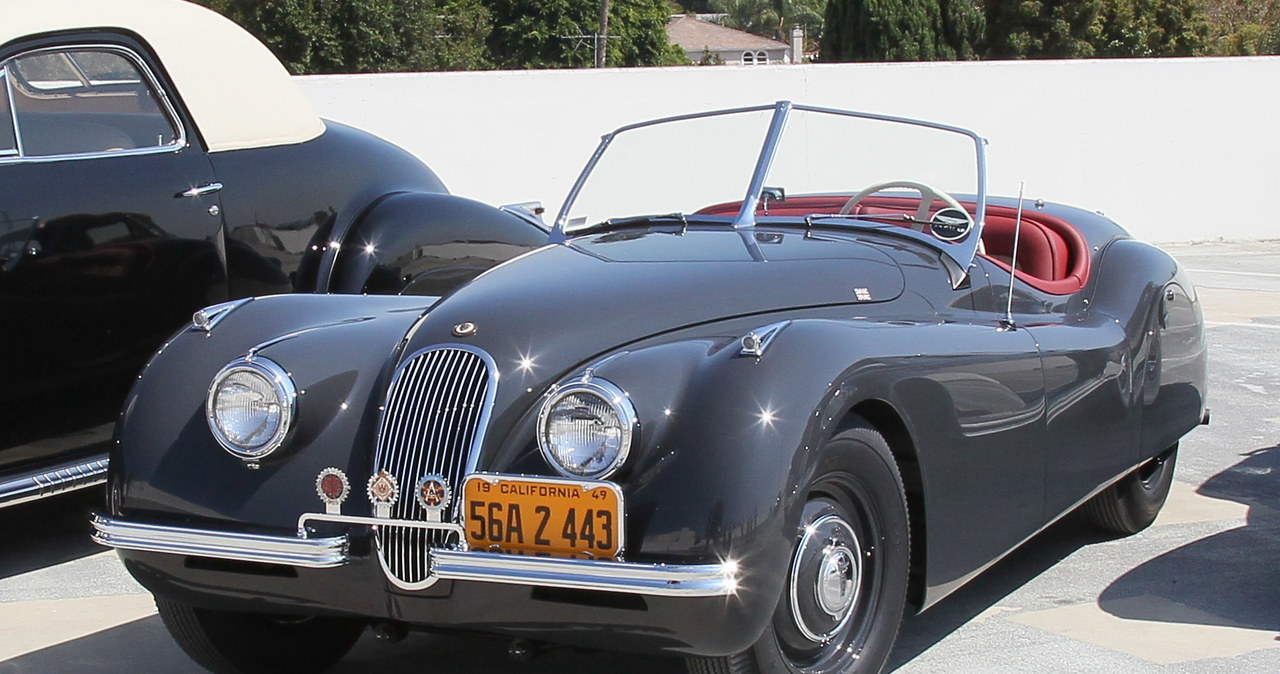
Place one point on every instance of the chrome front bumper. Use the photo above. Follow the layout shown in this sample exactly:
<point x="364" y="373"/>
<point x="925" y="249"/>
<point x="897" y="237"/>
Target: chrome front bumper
<point x="667" y="580"/>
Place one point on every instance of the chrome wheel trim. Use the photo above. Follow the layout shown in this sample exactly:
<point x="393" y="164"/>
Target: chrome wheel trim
<point x="827" y="571"/>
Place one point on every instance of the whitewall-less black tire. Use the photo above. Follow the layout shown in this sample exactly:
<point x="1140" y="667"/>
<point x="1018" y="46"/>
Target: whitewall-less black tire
<point x="248" y="643"/>
<point x="846" y="586"/>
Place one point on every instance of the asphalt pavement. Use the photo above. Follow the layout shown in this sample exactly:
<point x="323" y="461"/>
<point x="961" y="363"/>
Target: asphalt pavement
<point x="1199" y="591"/>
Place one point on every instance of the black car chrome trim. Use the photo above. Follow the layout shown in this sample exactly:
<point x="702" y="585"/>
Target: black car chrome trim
<point x="756" y="342"/>
<point x="668" y="580"/>
<point x="312" y="553"/>
<point x="52" y="481"/>
<point x="208" y="318"/>
<point x="207" y="188"/>
<point x="433" y="421"/>
<point x="180" y="140"/>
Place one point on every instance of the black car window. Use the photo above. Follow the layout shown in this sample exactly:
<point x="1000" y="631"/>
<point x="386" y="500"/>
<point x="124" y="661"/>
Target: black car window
<point x="8" y="141"/>
<point x="86" y="100"/>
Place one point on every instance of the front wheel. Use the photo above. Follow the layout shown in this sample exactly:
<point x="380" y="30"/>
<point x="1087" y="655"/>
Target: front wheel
<point x="241" y="643"/>
<point x="846" y="585"/>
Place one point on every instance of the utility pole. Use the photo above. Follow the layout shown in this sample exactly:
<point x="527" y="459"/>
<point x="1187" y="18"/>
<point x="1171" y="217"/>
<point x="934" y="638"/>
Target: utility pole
<point x="602" y="42"/>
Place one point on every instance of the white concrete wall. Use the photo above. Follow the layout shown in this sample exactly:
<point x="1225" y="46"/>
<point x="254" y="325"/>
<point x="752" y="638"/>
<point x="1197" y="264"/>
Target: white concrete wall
<point x="1171" y="148"/>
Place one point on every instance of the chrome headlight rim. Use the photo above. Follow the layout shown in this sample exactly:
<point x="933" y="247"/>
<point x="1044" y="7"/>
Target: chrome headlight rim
<point x="610" y="394"/>
<point x="285" y="390"/>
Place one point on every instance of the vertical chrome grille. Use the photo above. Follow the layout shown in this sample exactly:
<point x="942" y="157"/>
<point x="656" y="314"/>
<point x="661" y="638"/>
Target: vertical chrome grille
<point x="436" y="410"/>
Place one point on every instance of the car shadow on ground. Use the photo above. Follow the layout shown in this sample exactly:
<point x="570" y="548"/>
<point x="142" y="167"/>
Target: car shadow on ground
<point x="46" y="532"/>
<point x="921" y="632"/>
<point x="1230" y="578"/>
<point x="116" y="650"/>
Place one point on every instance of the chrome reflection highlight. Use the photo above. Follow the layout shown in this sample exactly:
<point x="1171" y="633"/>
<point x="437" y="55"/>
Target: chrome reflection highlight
<point x="251" y="406"/>
<point x="585" y="428"/>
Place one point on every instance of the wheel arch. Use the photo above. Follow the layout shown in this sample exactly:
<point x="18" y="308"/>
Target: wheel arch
<point x="886" y="420"/>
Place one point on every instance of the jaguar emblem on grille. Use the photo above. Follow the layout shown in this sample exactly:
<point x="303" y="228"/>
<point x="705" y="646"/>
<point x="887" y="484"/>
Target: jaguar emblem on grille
<point x="466" y="329"/>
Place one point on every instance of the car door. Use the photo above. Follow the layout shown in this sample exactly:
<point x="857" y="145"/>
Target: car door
<point x="109" y="236"/>
<point x="1089" y="413"/>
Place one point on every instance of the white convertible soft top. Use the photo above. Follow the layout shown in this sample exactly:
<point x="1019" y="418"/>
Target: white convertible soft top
<point x="238" y="93"/>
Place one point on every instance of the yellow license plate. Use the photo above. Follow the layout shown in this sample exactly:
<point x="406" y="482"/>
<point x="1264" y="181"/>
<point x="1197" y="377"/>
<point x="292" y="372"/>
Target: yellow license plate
<point x="542" y="515"/>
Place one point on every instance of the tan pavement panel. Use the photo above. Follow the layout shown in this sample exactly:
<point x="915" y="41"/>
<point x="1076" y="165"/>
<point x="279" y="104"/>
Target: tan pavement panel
<point x="1180" y="634"/>
<point x="61" y="620"/>
<point x="1186" y="506"/>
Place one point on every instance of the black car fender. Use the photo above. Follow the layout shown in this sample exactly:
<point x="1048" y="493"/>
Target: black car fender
<point x="427" y="244"/>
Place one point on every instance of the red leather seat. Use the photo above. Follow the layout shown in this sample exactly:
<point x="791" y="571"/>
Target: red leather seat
<point x="1052" y="254"/>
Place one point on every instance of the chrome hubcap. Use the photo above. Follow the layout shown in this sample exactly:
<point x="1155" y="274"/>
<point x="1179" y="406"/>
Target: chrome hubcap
<point x="837" y="580"/>
<point x="826" y="575"/>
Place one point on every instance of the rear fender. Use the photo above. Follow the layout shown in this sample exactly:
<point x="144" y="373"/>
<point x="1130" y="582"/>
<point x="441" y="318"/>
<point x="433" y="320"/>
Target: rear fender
<point x="427" y="244"/>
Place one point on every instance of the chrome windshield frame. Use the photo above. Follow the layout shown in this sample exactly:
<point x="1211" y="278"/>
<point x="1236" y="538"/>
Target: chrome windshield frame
<point x="959" y="255"/>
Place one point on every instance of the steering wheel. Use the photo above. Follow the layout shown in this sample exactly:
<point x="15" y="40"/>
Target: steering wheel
<point x="928" y="194"/>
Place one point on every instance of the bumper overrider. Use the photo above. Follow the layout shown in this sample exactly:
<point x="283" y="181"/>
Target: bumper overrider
<point x="661" y="580"/>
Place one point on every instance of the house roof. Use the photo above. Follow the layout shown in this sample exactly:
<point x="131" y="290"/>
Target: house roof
<point x="690" y="34"/>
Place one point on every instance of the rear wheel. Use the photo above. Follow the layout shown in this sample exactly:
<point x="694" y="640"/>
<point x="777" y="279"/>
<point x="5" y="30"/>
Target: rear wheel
<point x="846" y="585"/>
<point x="232" y="643"/>
<point x="1132" y="504"/>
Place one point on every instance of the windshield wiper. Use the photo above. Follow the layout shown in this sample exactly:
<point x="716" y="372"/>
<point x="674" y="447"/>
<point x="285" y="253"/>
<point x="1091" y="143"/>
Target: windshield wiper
<point x="622" y="222"/>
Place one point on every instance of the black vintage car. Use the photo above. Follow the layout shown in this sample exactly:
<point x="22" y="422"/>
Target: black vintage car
<point x="781" y="373"/>
<point x="155" y="159"/>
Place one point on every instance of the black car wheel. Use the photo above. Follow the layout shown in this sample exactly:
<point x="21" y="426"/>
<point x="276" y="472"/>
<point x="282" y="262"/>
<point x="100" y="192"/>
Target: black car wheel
<point x="228" y="642"/>
<point x="846" y="586"/>
<point x="1131" y="505"/>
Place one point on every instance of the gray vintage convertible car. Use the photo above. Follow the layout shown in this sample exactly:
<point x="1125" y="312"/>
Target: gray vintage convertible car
<point x="779" y="374"/>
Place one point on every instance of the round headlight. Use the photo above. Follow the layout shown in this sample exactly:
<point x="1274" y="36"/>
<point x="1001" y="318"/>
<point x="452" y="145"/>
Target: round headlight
<point x="250" y="406"/>
<point x="585" y="428"/>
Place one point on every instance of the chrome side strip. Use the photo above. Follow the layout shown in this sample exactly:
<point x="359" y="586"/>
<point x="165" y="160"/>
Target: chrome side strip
<point x="664" y="580"/>
<point x="52" y="481"/>
<point x="312" y="553"/>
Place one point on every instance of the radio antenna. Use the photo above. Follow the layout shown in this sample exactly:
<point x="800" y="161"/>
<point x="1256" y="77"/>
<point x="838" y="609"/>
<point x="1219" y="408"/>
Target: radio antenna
<point x="1013" y="262"/>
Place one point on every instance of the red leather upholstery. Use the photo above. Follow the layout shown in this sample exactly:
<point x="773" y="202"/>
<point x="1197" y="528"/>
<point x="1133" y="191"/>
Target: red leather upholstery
<point x="1052" y="254"/>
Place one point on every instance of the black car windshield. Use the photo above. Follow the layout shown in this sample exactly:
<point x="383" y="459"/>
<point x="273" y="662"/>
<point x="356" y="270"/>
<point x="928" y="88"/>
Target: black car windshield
<point x="744" y="166"/>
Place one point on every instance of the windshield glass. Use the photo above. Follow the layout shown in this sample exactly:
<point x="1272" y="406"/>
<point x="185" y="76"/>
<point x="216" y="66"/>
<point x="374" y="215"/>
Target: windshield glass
<point x="788" y="161"/>
<point x="671" y="167"/>
<point x="831" y="154"/>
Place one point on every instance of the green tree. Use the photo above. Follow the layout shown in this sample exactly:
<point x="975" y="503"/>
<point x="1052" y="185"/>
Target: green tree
<point x="1043" y="28"/>
<point x="772" y="18"/>
<point x="352" y="36"/>
<point x="560" y="33"/>
<point x="1152" y="28"/>
<point x="906" y="30"/>
<point x="1243" y="27"/>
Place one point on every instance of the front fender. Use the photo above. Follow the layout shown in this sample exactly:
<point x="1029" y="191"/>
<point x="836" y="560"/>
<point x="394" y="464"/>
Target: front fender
<point x="166" y="463"/>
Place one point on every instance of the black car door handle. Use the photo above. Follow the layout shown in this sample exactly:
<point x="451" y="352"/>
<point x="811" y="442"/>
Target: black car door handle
<point x="207" y="188"/>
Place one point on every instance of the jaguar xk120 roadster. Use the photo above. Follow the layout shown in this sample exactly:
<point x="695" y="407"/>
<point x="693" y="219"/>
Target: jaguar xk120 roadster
<point x="778" y="374"/>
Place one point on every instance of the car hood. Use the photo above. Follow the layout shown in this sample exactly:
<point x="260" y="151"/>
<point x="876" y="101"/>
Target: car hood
<point x="562" y="305"/>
